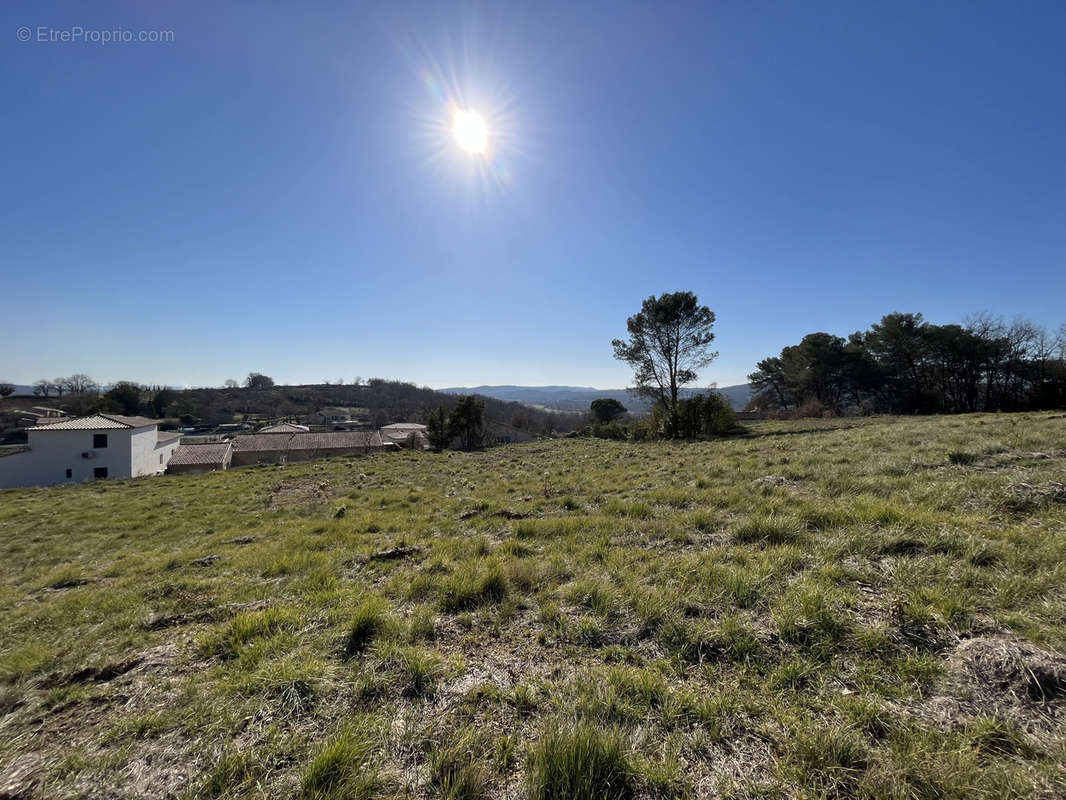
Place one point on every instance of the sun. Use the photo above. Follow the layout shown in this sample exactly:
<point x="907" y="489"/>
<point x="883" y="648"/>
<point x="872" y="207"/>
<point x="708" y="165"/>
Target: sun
<point x="470" y="131"/>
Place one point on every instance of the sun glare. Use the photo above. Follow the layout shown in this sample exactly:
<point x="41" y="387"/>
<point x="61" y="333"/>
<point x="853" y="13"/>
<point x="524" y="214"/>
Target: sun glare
<point x="470" y="131"/>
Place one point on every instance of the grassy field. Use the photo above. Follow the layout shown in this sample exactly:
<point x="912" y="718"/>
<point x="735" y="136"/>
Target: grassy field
<point x="831" y="608"/>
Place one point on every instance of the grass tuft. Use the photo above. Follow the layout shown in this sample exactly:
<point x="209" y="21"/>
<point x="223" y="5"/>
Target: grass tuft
<point x="465" y="589"/>
<point x="582" y="762"/>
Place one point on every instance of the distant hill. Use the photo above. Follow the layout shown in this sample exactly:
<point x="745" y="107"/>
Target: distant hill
<point x="577" y="398"/>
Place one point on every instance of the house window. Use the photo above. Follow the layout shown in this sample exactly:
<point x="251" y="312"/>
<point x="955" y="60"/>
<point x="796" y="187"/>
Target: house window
<point x="160" y="458"/>
<point x="99" y="472"/>
<point x="70" y="473"/>
<point x="99" y="441"/>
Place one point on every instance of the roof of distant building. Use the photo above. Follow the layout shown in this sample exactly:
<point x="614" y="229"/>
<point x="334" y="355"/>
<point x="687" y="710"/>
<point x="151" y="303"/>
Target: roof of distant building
<point x="285" y="427"/>
<point x="404" y="426"/>
<point x="167" y="436"/>
<point x="96" y="422"/>
<point x="336" y="440"/>
<point x="200" y="454"/>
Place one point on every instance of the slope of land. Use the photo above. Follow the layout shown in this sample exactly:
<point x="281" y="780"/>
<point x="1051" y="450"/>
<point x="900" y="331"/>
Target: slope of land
<point x="577" y="398"/>
<point x="861" y="608"/>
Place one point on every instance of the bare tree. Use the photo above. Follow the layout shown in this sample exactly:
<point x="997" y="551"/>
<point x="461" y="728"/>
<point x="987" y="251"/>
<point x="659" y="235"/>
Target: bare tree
<point x="231" y="384"/>
<point x="46" y="388"/>
<point x="79" y="383"/>
<point x="6" y="389"/>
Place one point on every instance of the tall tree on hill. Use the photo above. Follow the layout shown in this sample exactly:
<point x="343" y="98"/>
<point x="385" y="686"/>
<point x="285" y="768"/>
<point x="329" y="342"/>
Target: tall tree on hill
<point x="437" y="429"/>
<point x="467" y="421"/>
<point x="669" y="342"/>
<point x="257" y="380"/>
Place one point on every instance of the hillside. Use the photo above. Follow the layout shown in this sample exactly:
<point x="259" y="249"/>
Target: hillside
<point x="377" y="401"/>
<point x="577" y="398"/>
<point x="831" y="608"/>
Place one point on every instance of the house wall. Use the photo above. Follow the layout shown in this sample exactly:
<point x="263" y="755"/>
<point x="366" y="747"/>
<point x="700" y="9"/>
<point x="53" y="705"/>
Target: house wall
<point x="51" y="453"/>
<point x="149" y="457"/>
<point x="130" y="452"/>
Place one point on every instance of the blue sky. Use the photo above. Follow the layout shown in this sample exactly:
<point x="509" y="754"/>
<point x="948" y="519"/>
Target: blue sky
<point x="276" y="188"/>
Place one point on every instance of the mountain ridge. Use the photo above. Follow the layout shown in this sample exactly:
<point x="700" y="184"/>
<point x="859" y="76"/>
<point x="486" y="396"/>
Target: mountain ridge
<point x="577" y="398"/>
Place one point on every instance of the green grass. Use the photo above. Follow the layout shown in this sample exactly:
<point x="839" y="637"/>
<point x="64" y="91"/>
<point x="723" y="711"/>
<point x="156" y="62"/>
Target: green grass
<point x="866" y="608"/>
<point x="584" y="762"/>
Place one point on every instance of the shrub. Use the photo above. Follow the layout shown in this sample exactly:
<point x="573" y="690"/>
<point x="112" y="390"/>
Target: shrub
<point x="584" y="762"/>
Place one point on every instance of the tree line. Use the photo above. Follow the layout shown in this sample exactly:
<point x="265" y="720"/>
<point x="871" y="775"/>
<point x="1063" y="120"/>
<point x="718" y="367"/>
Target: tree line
<point x="383" y="401"/>
<point x="905" y="365"/>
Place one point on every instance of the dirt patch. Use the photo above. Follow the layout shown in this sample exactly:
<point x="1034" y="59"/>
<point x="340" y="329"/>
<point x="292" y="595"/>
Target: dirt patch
<point x="70" y="583"/>
<point x="505" y="513"/>
<point x="151" y="659"/>
<point x="214" y="614"/>
<point x="1005" y="677"/>
<point x="20" y="778"/>
<point x="299" y="491"/>
<point x="394" y="553"/>
<point x="773" y="480"/>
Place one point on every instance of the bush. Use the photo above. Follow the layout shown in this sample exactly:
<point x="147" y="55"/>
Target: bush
<point x="608" y="430"/>
<point x="701" y="416"/>
<point x="585" y="762"/>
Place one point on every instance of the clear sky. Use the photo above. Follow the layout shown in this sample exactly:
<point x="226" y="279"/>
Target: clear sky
<point x="277" y="188"/>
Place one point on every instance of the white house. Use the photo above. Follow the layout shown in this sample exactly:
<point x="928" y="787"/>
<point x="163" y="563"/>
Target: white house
<point x="87" y="448"/>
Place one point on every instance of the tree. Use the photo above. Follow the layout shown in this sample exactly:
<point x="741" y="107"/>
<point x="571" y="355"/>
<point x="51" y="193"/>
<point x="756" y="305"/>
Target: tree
<point x="900" y="342"/>
<point x="256" y="380"/>
<point x="45" y="388"/>
<point x="605" y="409"/>
<point x="7" y="389"/>
<point x="161" y="400"/>
<point x="231" y="384"/>
<point x="669" y="342"/>
<point x="126" y="396"/>
<point x="467" y="421"/>
<point x="768" y="386"/>
<point x="79" y="383"/>
<point x="437" y="429"/>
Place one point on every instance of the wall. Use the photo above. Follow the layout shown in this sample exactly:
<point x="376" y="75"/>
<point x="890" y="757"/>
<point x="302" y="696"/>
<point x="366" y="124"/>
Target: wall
<point x="146" y="452"/>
